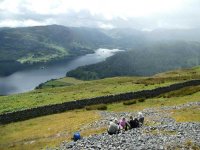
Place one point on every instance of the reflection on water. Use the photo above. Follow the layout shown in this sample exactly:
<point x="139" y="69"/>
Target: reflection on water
<point x="27" y="80"/>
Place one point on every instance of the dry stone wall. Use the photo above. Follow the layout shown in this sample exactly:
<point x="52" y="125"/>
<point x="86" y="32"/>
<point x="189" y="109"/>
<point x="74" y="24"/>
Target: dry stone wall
<point x="76" y="104"/>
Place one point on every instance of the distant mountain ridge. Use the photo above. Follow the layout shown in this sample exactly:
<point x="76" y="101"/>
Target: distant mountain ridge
<point x="145" y="61"/>
<point x="43" y="43"/>
<point x="21" y="47"/>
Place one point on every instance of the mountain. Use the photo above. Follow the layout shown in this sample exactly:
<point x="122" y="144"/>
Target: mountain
<point x="30" y="45"/>
<point x="145" y="61"/>
<point x="43" y="43"/>
<point x="174" y="115"/>
<point x="127" y="38"/>
<point x="174" y="35"/>
<point x="27" y="46"/>
<point x="46" y="43"/>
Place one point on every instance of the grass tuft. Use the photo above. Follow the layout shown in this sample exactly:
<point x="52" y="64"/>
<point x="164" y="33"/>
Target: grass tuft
<point x="130" y="102"/>
<point x="141" y="100"/>
<point x="97" y="107"/>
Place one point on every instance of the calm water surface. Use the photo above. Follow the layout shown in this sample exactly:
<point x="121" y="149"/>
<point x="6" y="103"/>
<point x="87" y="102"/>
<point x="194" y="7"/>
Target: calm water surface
<point x="27" y="80"/>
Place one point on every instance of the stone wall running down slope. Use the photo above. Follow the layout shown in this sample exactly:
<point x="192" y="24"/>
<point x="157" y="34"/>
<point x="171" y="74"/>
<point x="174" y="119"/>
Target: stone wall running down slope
<point x="76" y="104"/>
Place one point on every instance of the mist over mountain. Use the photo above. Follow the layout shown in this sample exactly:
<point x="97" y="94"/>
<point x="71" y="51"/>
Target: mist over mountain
<point x="175" y="34"/>
<point x="145" y="61"/>
<point x="24" y="46"/>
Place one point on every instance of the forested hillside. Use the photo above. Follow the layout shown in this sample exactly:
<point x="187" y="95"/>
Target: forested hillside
<point x="20" y="47"/>
<point x="147" y="60"/>
<point x="42" y="43"/>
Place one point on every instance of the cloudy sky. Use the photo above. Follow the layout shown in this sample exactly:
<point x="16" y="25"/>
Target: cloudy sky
<point x="138" y="14"/>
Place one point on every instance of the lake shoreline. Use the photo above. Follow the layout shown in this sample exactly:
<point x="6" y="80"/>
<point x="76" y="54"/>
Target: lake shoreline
<point x="28" y="79"/>
<point x="27" y="66"/>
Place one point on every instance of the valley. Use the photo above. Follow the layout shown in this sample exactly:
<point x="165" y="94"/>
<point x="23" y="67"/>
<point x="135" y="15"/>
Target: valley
<point x="99" y="75"/>
<point x="41" y="56"/>
<point x="28" y="46"/>
<point x="33" y="76"/>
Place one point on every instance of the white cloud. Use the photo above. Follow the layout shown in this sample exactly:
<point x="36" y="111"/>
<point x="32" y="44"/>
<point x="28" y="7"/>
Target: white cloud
<point x="24" y="23"/>
<point x="109" y="8"/>
<point x="10" y="6"/>
<point x="119" y="13"/>
<point x="9" y="23"/>
<point x="106" y="26"/>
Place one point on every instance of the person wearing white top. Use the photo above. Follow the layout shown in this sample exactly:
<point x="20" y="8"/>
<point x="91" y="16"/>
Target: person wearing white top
<point x="140" y="118"/>
<point x="113" y="127"/>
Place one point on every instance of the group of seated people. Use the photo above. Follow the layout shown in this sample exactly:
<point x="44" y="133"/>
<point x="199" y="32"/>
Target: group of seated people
<point x="116" y="126"/>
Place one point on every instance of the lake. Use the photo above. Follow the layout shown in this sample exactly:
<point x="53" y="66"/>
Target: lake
<point x="27" y="80"/>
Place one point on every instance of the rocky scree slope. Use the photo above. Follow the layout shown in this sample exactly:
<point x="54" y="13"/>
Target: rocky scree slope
<point x="160" y="131"/>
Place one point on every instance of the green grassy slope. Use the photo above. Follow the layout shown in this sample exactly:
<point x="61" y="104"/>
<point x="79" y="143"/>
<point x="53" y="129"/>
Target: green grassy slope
<point x="188" y="94"/>
<point x="59" y="83"/>
<point x="66" y="91"/>
<point x="45" y="131"/>
<point x="51" y="130"/>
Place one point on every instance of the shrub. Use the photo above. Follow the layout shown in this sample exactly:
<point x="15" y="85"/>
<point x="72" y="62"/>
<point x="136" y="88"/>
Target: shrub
<point x="97" y="107"/>
<point x="130" y="102"/>
<point x="141" y="100"/>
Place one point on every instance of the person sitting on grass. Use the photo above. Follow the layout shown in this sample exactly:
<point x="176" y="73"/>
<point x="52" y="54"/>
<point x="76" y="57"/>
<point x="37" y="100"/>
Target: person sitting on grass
<point x="113" y="127"/>
<point x="133" y="123"/>
<point x="140" y="118"/>
<point x="123" y="124"/>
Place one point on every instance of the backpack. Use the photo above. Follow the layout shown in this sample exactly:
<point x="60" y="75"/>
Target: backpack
<point x="77" y="136"/>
